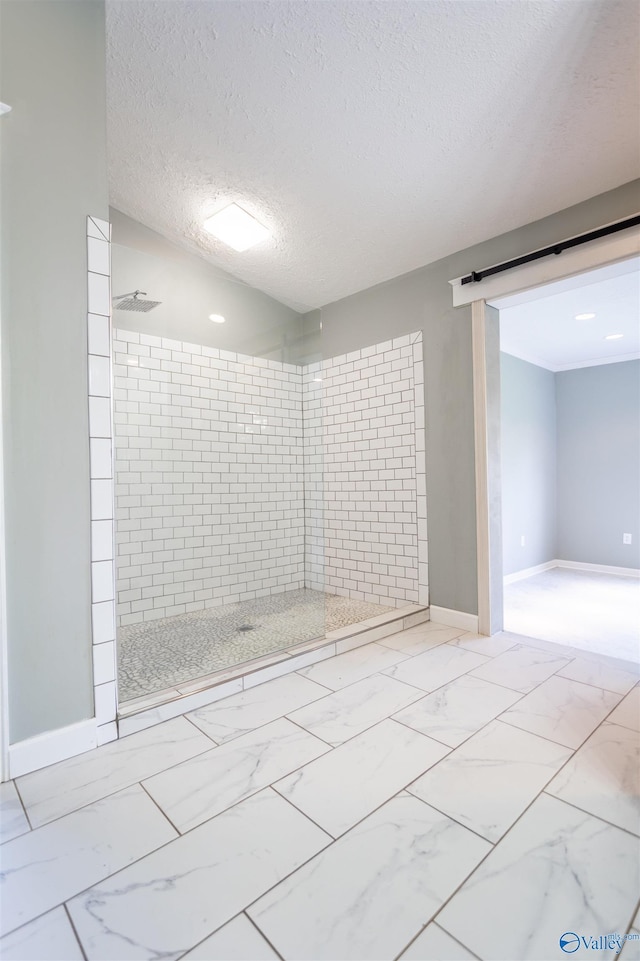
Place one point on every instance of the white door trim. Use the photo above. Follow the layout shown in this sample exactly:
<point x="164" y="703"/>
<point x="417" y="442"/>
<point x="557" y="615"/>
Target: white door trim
<point x="4" y="676"/>
<point x="480" y="429"/>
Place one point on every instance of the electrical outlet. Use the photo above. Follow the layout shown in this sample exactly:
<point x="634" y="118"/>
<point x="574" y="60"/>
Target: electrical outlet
<point x="522" y="540"/>
<point x="626" y="538"/>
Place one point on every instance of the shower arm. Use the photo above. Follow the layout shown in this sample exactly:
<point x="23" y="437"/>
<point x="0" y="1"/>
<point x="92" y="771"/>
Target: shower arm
<point x="134" y="294"/>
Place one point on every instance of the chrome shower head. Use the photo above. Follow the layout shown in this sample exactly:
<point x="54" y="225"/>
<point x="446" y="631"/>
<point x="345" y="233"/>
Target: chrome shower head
<point x="133" y="302"/>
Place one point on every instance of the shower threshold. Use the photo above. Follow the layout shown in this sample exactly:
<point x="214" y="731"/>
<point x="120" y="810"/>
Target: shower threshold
<point x="169" y="666"/>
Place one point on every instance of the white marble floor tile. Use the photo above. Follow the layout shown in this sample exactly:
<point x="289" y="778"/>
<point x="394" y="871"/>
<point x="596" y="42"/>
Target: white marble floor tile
<point x="434" y="944"/>
<point x="557" y="870"/>
<point x="631" y="948"/>
<point x="459" y="709"/>
<point x="12" y="817"/>
<point x="481" y="644"/>
<point x="421" y="638"/>
<point x="562" y="710"/>
<point x="434" y="668"/>
<point x="603" y="777"/>
<point x="344" y="786"/>
<point x="488" y="781"/>
<point x="165" y="904"/>
<point x="599" y="674"/>
<point x="239" y="940"/>
<point x="521" y="668"/>
<point x="200" y="788"/>
<point x="259" y="705"/>
<point x="353" y="666"/>
<point x="65" y="787"/>
<point x="48" y="938"/>
<point x="367" y="895"/>
<point x="353" y="709"/>
<point x="627" y="713"/>
<point x="45" y="867"/>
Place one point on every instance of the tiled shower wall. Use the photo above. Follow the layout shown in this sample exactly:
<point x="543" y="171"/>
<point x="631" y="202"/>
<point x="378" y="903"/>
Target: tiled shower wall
<point x="238" y="477"/>
<point x="365" y="473"/>
<point x="209" y="477"/>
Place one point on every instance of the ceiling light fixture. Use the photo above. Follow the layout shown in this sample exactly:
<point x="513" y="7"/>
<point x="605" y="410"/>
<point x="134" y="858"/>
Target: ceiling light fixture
<point x="235" y="227"/>
<point x="614" y="336"/>
<point x="216" y="318"/>
<point x="585" y="316"/>
<point x="4" y="108"/>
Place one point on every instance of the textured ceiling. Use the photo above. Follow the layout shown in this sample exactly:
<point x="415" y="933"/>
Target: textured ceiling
<point x="370" y="137"/>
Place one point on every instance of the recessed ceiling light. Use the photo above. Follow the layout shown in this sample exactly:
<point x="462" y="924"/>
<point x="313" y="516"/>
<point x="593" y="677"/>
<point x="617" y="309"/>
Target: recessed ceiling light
<point x="614" y="336"/>
<point x="216" y="318"/>
<point x="4" y="108"/>
<point x="585" y="316"/>
<point x="235" y="227"/>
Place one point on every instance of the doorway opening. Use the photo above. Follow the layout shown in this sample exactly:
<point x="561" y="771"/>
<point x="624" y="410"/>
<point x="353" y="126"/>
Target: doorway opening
<point x="569" y="448"/>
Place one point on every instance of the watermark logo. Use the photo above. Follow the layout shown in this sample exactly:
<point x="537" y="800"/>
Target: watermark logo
<point x="570" y="942"/>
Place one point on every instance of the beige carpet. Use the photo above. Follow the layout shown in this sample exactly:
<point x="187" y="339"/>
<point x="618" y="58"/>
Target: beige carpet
<point x="593" y="612"/>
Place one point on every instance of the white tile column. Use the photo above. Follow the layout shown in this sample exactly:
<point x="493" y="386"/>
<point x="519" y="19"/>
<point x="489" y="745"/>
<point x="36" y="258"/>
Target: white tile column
<point x="421" y="469"/>
<point x="103" y="622"/>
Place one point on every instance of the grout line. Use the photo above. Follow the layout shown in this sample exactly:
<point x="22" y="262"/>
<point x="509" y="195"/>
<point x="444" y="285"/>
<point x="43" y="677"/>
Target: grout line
<point x="590" y="814"/>
<point x="162" y="811"/>
<point x="298" y="810"/>
<point x="192" y="722"/>
<point x="73" y="928"/>
<point x="445" y="814"/>
<point x="398" y="957"/>
<point x="306" y="730"/>
<point x="263" y="935"/>
<point x="24" y="808"/>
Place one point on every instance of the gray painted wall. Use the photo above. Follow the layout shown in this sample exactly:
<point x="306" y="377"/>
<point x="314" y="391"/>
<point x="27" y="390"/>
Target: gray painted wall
<point x="53" y="175"/>
<point x="599" y="464"/>
<point x="422" y="300"/>
<point x="528" y="464"/>
<point x="190" y="289"/>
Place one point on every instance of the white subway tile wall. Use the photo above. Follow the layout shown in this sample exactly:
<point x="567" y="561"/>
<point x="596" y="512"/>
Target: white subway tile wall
<point x="238" y="477"/>
<point x="209" y="477"/>
<point x="101" y="471"/>
<point x="370" y="443"/>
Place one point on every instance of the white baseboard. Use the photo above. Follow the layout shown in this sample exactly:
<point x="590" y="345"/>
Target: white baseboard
<point x="598" y="568"/>
<point x="443" y="615"/>
<point x="36" y="752"/>
<point x="572" y="566"/>
<point x="529" y="572"/>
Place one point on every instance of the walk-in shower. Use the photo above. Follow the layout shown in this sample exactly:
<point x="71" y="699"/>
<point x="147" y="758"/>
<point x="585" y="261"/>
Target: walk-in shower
<point x="264" y="496"/>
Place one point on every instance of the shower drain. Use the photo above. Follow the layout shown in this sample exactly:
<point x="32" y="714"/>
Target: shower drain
<point x="247" y="627"/>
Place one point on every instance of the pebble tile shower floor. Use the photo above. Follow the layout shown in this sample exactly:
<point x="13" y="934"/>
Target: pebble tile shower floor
<point x="163" y="653"/>
<point x="434" y="795"/>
